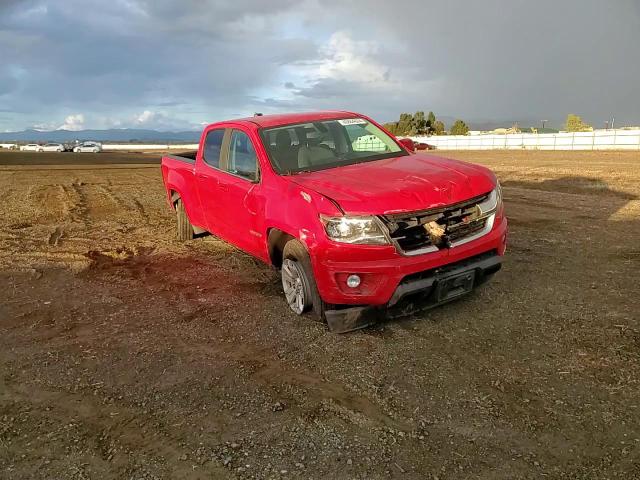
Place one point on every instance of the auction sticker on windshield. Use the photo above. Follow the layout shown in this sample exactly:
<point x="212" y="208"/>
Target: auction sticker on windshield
<point x="352" y="121"/>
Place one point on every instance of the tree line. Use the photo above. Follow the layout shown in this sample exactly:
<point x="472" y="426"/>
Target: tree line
<point x="419" y="124"/>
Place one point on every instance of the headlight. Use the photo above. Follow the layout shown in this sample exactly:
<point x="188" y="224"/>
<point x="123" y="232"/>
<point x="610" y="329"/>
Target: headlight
<point x="492" y="203"/>
<point x="355" y="230"/>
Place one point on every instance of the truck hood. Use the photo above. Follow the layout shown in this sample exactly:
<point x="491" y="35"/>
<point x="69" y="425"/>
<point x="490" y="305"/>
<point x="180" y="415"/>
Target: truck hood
<point x="400" y="184"/>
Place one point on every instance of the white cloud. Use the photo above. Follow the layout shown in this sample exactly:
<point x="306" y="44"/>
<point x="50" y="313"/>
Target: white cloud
<point x="148" y="117"/>
<point x="73" y="123"/>
<point x="156" y="120"/>
<point x="349" y="59"/>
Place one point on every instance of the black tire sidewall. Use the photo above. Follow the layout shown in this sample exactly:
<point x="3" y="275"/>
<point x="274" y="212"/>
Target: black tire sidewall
<point x="185" y="230"/>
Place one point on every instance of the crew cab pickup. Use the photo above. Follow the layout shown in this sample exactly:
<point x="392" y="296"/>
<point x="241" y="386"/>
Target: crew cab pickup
<point x="359" y="223"/>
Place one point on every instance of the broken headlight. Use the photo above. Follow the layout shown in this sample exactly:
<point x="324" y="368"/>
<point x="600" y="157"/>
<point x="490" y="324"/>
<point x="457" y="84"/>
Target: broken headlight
<point x="355" y="230"/>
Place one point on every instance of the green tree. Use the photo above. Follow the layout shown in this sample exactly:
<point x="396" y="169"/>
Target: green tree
<point x="419" y="124"/>
<point x="404" y="124"/>
<point x="392" y="127"/>
<point x="575" y="124"/>
<point x="438" y="127"/>
<point x="459" y="128"/>
<point x="431" y="121"/>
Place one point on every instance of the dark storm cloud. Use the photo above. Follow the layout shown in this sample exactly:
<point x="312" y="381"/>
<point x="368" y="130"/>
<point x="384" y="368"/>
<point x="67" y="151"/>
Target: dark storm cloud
<point x="195" y="60"/>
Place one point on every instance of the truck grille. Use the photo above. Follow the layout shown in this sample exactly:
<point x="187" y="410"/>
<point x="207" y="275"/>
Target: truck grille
<point x="430" y="230"/>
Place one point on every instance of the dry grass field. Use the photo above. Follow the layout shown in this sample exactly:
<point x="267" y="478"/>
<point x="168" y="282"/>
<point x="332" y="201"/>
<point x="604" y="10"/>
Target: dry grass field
<point x="127" y="355"/>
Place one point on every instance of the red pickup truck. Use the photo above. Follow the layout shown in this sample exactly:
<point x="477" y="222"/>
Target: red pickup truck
<point x="359" y="224"/>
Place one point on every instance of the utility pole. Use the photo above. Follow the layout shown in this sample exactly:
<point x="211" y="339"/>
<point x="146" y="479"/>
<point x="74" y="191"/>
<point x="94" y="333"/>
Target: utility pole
<point x="544" y="123"/>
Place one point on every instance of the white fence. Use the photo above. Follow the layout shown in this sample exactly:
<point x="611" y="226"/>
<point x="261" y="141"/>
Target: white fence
<point x="129" y="147"/>
<point x="596" y="140"/>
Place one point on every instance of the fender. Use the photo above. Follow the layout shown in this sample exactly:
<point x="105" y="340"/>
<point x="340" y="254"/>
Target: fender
<point x="178" y="186"/>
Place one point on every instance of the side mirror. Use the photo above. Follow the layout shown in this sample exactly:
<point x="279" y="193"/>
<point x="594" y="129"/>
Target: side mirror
<point x="408" y="144"/>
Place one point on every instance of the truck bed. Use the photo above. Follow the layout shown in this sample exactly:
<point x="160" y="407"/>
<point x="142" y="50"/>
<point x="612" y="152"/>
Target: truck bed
<point x="188" y="157"/>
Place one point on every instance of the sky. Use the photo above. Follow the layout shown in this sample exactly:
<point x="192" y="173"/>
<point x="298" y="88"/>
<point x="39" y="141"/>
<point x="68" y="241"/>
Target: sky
<point x="175" y="65"/>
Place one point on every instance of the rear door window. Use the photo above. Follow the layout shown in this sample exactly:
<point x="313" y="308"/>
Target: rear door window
<point x="213" y="147"/>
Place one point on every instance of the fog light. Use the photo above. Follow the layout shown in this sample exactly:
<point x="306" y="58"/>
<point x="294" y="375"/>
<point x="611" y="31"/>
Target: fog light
<point x="353" y="281"/>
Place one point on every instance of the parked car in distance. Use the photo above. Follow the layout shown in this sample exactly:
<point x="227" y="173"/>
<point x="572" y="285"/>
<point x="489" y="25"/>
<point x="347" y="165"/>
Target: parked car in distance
<point x="53" y="147"/>
<point x="358" y="222"/>
<point x="413" y="145"/>
<point x="69" y="146"/>
<point x="32" y="147"/>
<point x="88" y="147"/>
<point x="424" y="146"/>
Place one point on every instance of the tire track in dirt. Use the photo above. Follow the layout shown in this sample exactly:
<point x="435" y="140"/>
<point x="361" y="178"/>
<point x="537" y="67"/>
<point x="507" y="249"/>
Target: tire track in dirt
<point x="272" y="373"/>
<point x="131" y="203"/>
<point x="56" y="236"/>
<point x="77" y="203"/>
<point x="47" y="200"/>
<point x="140" y="208"/>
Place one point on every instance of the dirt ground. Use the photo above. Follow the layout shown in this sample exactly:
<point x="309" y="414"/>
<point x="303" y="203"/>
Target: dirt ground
<point x="124" y="354"/>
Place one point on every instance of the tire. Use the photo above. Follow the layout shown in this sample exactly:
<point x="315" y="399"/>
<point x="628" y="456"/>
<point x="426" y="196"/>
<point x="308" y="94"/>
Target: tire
<point x="185" y="229"/>
<point x="296" y="257"/>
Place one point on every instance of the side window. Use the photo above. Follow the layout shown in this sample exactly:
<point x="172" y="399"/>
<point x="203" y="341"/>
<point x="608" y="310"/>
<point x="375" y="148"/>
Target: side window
<point x="242" y="156"/>
<point x="212" y="147"/>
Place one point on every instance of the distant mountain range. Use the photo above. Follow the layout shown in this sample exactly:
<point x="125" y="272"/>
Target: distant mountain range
<point x="135" y="135"/>
<point x="113" y="135"/>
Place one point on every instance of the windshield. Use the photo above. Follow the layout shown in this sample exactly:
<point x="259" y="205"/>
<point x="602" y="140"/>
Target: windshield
<point x="327" y="144"/>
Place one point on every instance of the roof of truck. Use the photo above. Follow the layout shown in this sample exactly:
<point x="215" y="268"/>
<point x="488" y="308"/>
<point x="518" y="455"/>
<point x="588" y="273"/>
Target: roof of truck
<point x="289" y="118"/>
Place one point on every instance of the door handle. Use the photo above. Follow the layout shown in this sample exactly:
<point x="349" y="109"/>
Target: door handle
<point x="223" y="187"/>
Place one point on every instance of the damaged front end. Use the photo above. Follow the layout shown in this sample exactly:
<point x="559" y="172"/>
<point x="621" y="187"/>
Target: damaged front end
<point x="428" y="231"/>
<point x="418" y="233"/>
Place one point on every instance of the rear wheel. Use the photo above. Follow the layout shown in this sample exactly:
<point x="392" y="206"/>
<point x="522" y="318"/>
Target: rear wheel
<point x="185" y="229"/>
<point x="298" y="282"/>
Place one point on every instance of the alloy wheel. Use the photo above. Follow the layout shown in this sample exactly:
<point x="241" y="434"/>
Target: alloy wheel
<point x="295" y="285"/>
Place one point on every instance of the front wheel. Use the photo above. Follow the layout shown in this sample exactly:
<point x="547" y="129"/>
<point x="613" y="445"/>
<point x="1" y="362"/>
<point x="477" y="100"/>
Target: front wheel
<point x="296" y="286"/>
<point x="298" y="282"/>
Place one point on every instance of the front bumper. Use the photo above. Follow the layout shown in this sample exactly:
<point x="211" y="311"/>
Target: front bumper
<point x="382" y="268"/>
<point x="420" y="291"/>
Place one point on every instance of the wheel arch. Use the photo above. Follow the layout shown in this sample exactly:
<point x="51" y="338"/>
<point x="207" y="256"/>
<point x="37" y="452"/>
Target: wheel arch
<point x="276" y="240"/>
<point x="174" y="196"/>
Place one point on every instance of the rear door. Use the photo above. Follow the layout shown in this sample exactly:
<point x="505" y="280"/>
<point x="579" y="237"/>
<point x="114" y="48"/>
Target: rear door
<point x="211" y="190"/>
